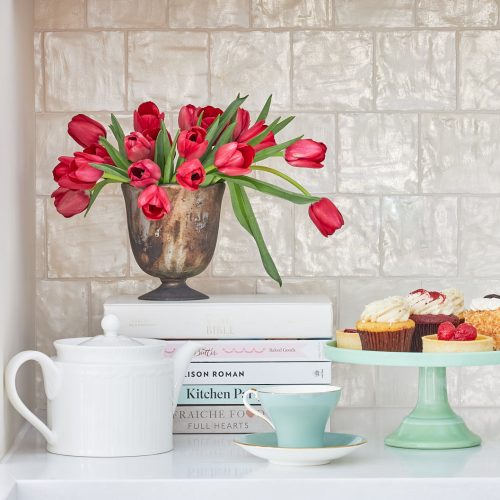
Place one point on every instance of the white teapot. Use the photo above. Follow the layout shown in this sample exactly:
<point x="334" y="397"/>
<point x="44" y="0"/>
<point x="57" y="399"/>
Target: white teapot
<point x="107" y="396"/>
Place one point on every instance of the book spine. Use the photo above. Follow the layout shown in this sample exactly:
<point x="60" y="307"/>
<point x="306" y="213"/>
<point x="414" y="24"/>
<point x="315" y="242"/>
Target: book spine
<point x="225" y="321"/>
<point x="274" y="373"/>
<point x="214" y="394"/>
<point x="254" y="350"/>
<point x="217" y="420"/>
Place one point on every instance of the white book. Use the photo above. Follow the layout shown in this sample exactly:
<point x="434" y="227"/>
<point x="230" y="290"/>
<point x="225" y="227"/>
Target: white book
<point x="254" y="350"/>
<point x="226" y="317"/>
<point x="285" y="372"/>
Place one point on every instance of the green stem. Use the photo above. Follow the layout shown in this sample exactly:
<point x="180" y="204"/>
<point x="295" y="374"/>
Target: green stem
<point x="210" y="169"/>
<point x="113" y="178"/>
<point x="283" y="176"/>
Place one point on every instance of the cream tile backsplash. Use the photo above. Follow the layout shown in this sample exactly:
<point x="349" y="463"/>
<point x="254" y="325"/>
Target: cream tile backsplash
<point x="406" y="93"/>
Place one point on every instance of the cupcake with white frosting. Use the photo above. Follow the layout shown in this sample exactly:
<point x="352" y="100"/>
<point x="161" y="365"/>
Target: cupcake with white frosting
<point x="385" y="325"/>
<point x="454" y="302"/>
<point x="484" y="314"/>
<point x="428" y="310"/>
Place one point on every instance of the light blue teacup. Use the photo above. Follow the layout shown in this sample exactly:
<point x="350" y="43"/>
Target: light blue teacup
<point x="298" y="413"/>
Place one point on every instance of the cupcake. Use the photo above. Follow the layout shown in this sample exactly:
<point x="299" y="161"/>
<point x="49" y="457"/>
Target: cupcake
<point x="454" y="303"/>
<point x="348" y="339"/>
<point x="385" y="325"/>
<point x="484" y="314"/>
<point x="428" y="310"/>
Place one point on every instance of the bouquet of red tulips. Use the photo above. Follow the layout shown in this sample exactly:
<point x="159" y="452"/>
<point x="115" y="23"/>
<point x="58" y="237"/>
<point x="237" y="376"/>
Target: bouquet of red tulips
<point x="211" y="146"/>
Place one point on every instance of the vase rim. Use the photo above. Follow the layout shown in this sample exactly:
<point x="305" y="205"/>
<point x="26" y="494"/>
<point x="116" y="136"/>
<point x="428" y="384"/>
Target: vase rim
<point x="176" y="186"/>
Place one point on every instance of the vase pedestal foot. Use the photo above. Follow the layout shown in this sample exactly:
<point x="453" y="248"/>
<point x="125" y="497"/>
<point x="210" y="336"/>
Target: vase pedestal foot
<point x="174" y="290"/>
<point x="432" y="425"/>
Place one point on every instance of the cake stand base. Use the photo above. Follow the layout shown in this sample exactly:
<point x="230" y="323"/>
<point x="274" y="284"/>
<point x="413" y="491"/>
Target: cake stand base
<point x="432" y="425"/>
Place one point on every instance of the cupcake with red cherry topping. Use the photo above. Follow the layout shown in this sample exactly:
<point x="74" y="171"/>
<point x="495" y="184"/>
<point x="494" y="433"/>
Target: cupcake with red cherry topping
<point x="428" y="310"/>
<point x="461" y="338"/>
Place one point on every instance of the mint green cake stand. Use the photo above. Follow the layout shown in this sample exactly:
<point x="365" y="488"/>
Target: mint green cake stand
<point x="432" y="425"/>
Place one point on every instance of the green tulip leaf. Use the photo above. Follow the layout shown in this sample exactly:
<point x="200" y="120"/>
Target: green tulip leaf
<point x="270" y="189"/>
<point x="265" y="110"/>
<point x="159" y="157"/>
<point x="260" y="137"/>
<point x="115" y="155"/>
<point x="274" y="150"/>
<point x="169" y="162"/>
<point x="246" y="217"/>
<point x="112" y="170"/>
<point x="117" y="130"/>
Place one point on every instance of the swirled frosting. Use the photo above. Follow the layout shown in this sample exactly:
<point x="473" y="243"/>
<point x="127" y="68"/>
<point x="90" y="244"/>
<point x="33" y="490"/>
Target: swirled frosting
<point x="389" y="310"/>
<point x="423" y="302"/>
<point x="454" y="302"/>
<point x="483" y="304"/>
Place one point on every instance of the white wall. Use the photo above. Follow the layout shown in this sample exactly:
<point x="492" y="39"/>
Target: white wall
<point x="17" y="207"/>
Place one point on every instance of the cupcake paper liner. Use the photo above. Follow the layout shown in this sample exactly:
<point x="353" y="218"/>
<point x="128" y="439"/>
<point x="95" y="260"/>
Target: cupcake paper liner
<point x="397" y="341"/>
<point x="423" y="329"/>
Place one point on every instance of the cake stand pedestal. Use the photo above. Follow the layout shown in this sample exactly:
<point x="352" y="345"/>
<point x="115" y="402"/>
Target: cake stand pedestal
<point x="432" y="425"/>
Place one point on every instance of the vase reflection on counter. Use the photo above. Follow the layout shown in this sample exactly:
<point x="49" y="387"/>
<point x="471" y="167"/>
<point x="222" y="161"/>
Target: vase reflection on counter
<point x="179" y="246"/>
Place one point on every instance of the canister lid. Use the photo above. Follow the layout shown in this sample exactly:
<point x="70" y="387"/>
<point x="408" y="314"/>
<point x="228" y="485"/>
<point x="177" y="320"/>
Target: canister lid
<point x="110" y="325"/>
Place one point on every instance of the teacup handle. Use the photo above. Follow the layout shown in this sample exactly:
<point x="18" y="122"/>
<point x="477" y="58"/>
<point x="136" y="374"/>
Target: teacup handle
<point x="249" y="407"/>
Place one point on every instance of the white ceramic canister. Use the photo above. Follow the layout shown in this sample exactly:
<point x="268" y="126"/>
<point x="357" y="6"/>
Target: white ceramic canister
<point x="107" y="396"/>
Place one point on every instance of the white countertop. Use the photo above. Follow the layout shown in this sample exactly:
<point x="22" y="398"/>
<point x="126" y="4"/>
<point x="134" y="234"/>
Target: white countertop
<point x="210" y="466"/>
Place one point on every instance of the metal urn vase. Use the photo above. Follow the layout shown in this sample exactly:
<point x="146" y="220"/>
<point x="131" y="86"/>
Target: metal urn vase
<point x="181" y="244"/>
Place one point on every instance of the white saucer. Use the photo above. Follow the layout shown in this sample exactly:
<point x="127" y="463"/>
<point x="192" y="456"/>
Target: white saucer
<point x="264" y="445"/>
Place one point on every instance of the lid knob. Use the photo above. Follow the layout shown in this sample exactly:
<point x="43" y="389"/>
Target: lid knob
<point x="110" y="324"/>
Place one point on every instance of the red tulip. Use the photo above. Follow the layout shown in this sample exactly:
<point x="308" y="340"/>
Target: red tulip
<point x="326" y="216"/>
<point x="242" y="123"/>
<point x="154" y="202"/>
<point x="98" y="150"/>
<point x="76" y="172"/>
<point x="191" y="143"/>
<point x="138" y="147"/>
<point x="306" y="153"/>
<point x="144" y="173"/>
<point x="234" y="158"/>
<point x="249" y="133"/>
<point x="85" y="131"/>
<point x="209" y="115"/>
<point x="188" y="116"/>
<point x="190" y="174"/>
<point x="147" y="119"/>
<point x="70" y="202"/>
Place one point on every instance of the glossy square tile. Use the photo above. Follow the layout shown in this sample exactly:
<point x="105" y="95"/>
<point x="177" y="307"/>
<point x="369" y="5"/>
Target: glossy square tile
<point x="415" y="70"/>
<point x="127" y="13"/>
<point x="316" y="255"/>
<point x="170" y="68"/>
<point x="358" y="383"/>
<point x="255" y="63"/>
<point x="236" y="253"/>
<point x="460" y="153"/>
<point x="54" y="14"/>
<point x="479" y="65"/>
<point x="290" y="13"/>
<point x="332" y="71"/>
<point x="102" y="86"/>
<point x="209" y="14"/>
<point x="378" y="153"/>
<point x="41" y="254"/>
<point x="94" y="246"/>
<point x="480" y="238"/>
<point x="320" y="127"/>
<point x="419" y="236"/>
<point x="457" y="13"/>
<point x="383" y="13"/>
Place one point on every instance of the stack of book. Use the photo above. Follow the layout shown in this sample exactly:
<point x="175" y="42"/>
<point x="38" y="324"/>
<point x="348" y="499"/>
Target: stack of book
<point x="248" y="341"/>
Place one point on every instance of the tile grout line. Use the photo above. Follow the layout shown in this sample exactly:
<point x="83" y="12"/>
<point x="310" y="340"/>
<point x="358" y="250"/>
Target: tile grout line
<point x="457" y="70"/>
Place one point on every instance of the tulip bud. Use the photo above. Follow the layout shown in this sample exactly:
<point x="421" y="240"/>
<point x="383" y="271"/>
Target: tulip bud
<point x="85" y="131"/>
<point x="147" y="119"/>
<point x="144" y="173"/>
<point x="190" y="175"/>
<point x="306" y="153"/>
<point x="154" y="202"/>
<point x="326" y="216"/>
<point x="234" y="158"/>
<point x="191" y="143"/>
<point x="138" y="147"/>
<point x="70" y="202"/>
